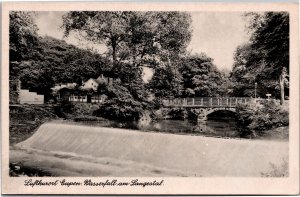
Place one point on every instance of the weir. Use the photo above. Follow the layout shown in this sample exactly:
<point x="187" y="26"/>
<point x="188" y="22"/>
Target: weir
<point x="191" y="155"/>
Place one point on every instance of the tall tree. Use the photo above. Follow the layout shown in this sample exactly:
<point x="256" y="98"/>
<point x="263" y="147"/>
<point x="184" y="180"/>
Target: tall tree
<point x="22" y="38"/>
<point x="246" y="68"/>
<point x="135" y="38"/>
<point x="22" y="34"/>
<point x="107" y="28"/>
<point x="270" y="36"/>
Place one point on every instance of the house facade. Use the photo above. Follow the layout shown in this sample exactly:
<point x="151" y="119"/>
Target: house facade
<point x="90" y="84"/>
<point x="23" y="96"/>
<point x="87" y="93"/>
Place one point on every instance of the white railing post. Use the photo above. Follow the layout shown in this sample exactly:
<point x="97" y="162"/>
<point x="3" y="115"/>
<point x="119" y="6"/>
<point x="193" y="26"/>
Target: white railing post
<point x="201" y="102"/>
<point x="193" y="101"/>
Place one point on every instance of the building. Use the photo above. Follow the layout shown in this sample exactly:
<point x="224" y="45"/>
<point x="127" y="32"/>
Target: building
<point x="87" y="93"/>
<point x="90" y="84"/>
<point x="27" y="97"/>
<point x="94" y="83"/>
<point x="63" y="85"/>
<point x="79" y="95"/>
<point x="23" y="96"/>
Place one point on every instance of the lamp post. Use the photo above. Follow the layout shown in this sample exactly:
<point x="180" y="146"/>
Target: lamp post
<point x="255" y="90"/>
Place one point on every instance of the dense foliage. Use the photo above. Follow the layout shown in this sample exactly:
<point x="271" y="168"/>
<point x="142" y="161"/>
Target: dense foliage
<point x="265" y="59"/>
<point x="22" y="35"/>
<point x="133" y="39"/>
<point x="201" y="78"/>
<point x="119" y="109"/>
<point x="190" y="76"/>
<point x="256" y="119"/>
<point x="54" y="61"/>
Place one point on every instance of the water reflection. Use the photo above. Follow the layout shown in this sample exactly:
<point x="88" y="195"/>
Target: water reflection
<point x="221" y="128"/>
<point x="209" y="127"/>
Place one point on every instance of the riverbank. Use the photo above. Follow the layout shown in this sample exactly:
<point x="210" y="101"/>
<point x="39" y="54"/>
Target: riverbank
<point x="24" y="120"/>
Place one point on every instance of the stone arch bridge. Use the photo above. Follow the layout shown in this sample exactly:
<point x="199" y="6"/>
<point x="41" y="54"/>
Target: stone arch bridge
<point x="206" y="105"/>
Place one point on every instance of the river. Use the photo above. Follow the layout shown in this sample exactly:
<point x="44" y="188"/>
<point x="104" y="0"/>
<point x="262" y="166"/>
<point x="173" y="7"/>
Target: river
<point x="217" y="128"/>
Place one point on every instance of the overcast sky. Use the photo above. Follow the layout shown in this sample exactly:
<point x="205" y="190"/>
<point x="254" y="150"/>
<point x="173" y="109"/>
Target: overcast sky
<point x="215" y="33"/>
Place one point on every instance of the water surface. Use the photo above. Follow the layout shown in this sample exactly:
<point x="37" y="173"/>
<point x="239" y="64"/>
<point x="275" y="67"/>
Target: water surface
<point x="219" y="128"/>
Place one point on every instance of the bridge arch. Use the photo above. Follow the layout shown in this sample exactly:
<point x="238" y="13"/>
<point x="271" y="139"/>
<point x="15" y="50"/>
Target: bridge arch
<point x="203" y="115"/>
<point x="221" y="114"/>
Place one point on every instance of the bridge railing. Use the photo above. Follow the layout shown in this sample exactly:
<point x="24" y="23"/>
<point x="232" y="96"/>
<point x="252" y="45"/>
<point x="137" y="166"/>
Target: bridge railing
<point x="207" y="101"/>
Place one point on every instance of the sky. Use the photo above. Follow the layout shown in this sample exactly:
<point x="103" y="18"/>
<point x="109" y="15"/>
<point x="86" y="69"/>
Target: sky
<point x="215" y="33"/>
<point x="218" y="34"/>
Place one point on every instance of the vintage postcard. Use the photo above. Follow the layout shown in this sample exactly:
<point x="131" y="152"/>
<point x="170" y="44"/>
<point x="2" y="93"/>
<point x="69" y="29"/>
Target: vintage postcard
<point x="150" y="98"/>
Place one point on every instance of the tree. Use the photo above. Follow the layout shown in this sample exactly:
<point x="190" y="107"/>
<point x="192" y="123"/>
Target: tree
<point x="22" y="38"/>
<point x="98" y="27"/>
<point x="22" y="34"/>
<point x="163" y="83"/>
<point x="270" y="36"/>
<point x="201" y="76"/>
<point x="246" y="68"/>
<point x="134" y="38"/>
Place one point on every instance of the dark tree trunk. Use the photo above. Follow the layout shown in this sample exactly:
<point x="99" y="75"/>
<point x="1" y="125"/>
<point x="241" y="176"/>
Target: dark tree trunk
<point x="281" y="85"/>
<point x="114" y="45"/>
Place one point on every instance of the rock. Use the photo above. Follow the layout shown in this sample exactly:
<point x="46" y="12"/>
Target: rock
<point x="17" y="167"/>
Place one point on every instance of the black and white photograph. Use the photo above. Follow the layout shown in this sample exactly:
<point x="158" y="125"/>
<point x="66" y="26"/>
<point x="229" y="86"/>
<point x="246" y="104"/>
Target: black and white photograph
<point x="148" y="93"/>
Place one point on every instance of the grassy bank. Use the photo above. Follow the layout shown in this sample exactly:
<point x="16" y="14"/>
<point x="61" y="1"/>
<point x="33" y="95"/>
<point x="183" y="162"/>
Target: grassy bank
<point x="25" y="119"/>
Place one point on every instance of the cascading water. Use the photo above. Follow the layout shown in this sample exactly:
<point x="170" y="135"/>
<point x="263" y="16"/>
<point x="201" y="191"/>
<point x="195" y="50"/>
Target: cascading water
<point x="188" y="154"/>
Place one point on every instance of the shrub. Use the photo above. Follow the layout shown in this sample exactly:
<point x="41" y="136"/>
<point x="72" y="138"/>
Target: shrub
<point x="123" y="110"/>
<point x="256" y="119"/>
<point x="63" y="107"/>
<point x="277" y="171"/>
<point x="117" y="91"/>
<point x="85" y="108"/>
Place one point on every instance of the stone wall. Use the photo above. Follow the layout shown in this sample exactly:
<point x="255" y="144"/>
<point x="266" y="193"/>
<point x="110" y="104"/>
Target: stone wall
<point x="14" y="91"/>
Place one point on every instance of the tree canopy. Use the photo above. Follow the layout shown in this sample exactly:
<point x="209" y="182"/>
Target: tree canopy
<point x="265" y="59"/>
<point x="22" y="35"/>
<point x="201" y="78"/>
<point x="135" y="38"/>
